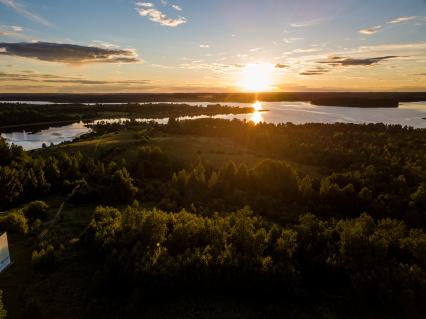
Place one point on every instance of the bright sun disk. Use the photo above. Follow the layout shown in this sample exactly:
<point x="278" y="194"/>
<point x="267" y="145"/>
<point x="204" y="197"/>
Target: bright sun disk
<point x="257" y="77"/>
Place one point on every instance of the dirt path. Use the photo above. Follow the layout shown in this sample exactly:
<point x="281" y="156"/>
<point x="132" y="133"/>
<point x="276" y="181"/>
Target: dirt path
<point x="52" y="223"/>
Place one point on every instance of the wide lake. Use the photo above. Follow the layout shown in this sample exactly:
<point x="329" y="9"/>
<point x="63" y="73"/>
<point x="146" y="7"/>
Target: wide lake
<point x="408" y="114"/>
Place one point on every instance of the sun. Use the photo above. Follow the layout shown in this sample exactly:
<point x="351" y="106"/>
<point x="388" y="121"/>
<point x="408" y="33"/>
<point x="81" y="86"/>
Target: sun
<point x="257" y="77"/>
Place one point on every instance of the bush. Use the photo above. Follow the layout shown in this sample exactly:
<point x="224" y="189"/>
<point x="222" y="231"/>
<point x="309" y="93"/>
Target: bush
<point x="36" y="210"/>
<point x="122" y="188"/>
<point x="45" y="259"/>
<point x="15" y="221"/>
<point x="3" y="312"/>
<point x="32" y="309"/>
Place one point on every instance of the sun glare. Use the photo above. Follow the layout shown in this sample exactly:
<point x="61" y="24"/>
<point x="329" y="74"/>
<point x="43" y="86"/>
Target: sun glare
<point x="257" y="106"/>
<point x="257" y="77"/>
<point x="256" y="116"/>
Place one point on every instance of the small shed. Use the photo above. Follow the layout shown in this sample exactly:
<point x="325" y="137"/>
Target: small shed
<point x="5" y="261"/>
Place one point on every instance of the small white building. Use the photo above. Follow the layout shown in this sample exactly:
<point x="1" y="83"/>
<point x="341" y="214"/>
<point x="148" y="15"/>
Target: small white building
<point x="4" y="253"/>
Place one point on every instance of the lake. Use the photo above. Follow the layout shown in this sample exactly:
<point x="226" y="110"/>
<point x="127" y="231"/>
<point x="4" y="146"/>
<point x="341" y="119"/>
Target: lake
<point x="408" y="114"/>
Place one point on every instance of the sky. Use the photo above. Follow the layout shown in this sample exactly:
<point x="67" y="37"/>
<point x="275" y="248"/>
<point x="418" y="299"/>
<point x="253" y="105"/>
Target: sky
<point x="101" y="46"/>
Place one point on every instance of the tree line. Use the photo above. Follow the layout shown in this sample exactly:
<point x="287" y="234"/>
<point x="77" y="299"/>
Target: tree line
<point x="374" y="264"/>
<point x="349" y="238"/>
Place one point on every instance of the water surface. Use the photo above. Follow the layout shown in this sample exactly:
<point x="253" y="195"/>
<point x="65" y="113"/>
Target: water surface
<point x="408" y="114"/>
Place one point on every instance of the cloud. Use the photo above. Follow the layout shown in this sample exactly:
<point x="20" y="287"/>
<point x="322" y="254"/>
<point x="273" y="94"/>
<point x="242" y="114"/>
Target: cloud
<point x="315" y="71"/>
<point x="305" y="24"/>
<point x="345" y="61"/>
<point x="291" y="40"/>
<point x="401" y="19"/>
<point x="281" y="66"/>
<point x="205" y="46"/>
<point x="10" y="30"/>
<point x="30" y="76"/>
<point x="308" y="50"/>
<point x="67" y="53"/>
<point x="176" y="7"/>
<point x="416" y="46"/>
<point x="17" y="28"/>
<point x="255" y="49"/>
<point x="105" y="44"/>
<point x="370" y="31"/>
<point x="24" y="11"/>
<point x="147" y="9"/>
<point x="215" y="67"/>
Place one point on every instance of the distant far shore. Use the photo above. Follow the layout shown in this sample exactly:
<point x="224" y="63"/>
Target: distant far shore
<point x="349" y="99"/>
<point x="359" y="102"/>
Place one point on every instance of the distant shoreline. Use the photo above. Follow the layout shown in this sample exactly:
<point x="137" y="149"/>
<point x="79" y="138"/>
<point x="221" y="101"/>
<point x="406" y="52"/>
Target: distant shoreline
<point x="362" y="99"/>
<point x="357" y="102"/>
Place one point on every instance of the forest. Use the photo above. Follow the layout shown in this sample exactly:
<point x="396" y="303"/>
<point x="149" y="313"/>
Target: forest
<point x="212" y="97"/>
<point x="211" y="218"/>
<point x="14" y="115"/>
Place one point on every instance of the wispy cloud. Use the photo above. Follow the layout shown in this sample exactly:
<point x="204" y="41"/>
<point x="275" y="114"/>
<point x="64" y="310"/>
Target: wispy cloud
<point x="205" y="46"/>
<point x="215" y="67"/>
<point x="10" y="29"/>
<point x="315" y="71"/>
<point x="308" y="50"/>
<point x="176" y="7"/>
<point x="418" y="47"/>
<point x="24" y="11"/>
<point x="67" y="53"/>
<point x="401" y="19"/>
<point x="371" y="31"/>
<point x="105" y="44"/>
<point x="291" y="40"/>
<point x="17" y="28"/>
<point x="305" y="24"/>
<point x="29" y="76"/>
<point x="147" y="9"/>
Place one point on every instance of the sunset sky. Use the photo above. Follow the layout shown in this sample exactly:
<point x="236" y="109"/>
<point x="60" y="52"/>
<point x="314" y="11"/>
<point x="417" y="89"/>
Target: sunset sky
<point x="212" y="46"/>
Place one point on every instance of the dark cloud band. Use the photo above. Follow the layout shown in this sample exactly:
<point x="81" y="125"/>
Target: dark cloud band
<point x="29" y="76"/>
<point x="315" y="71"/>
<point x="67" y="53"/>
<point x="344" y="61"/>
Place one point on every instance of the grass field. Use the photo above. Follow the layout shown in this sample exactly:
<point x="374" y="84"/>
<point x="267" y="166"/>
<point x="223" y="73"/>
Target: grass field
<point x="185" y="149"/>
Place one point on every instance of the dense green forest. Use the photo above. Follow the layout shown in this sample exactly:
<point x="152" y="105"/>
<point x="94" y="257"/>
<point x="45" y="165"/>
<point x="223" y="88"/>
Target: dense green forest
<point x="21" y="114"/>
<point x="211" y="218"/>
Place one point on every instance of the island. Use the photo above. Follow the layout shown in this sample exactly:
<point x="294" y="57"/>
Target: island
<point x="356" y="102"/>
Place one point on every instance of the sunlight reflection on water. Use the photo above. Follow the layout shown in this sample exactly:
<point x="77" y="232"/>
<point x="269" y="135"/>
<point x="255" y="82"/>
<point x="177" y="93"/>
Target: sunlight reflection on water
<point x="256" y="117"/>
<point x="409" y="114"/>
